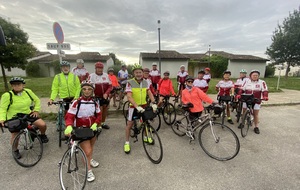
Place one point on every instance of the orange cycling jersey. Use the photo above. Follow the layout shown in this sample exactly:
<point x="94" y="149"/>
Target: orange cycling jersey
<point x="114" y="80"/>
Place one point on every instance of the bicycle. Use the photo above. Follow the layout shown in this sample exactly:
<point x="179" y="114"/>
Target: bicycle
<point x="60" y="120"/>
<point x="223" y="101"/>
<point x="151" y="141"/>
<point x="217" y="140"/>
<point x="177" y="105"/>
<point x="120" y="96"/>
<point x="27" y="141"/>
<point x="247" y="118"/>
<point x="155" y="122"/>
<point x="73" y="165"/>
<point x="168" y="111"/>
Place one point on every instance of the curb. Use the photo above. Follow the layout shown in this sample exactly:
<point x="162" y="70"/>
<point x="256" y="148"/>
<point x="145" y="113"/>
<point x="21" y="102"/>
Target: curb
<point x="281" y="104"/>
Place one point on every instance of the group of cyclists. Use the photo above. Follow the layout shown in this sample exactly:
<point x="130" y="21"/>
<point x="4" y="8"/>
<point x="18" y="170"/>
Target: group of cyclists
<point x="87" y="97"/>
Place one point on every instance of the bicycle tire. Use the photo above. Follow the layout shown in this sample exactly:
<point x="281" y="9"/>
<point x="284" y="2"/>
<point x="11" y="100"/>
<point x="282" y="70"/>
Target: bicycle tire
<point x="169" y="114"/>
<point x="155" y="122"/>
<point x="154" y="149"/>
<point x="227" y="145"/>
<point x="239" y="111"/>
<point x="125" y="109"/>
<point x="245" y="125"/>
<point x="30" y="147"/>
<point x="179" y="127"/>
<point x="79" y="165"/>
<point x="59" y="129"/>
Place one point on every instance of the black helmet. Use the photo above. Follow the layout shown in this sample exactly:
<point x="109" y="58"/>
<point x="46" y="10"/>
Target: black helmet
<point x="227" y="72"/>
<point x="201" y="71"/>
<point x="17" y="80"/>
<point x="254" y="71"/>
<point x="189" y="78"/>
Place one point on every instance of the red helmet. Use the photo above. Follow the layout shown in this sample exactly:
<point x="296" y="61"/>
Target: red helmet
<point x="208" y="69"/>
<point x="99" y="65"/>
<point x="147" y="70"/>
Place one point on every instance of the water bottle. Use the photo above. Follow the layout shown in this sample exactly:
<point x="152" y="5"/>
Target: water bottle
<point x="137" y="122"/>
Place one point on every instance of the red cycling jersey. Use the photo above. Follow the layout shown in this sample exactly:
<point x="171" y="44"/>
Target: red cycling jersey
<point x="155" y="76"/>
<point x="102" y="84"/>
<point x="224" y="87"/>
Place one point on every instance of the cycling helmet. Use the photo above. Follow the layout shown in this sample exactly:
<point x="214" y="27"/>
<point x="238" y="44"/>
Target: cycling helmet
<point x="207" y="69"/>
<point x="136" y="66"/>
<point x="110" y="70"/>
<point x="166" y="73"/>
<point x="201" y="71"/>
<point x="254" y="71"/>
<point x="79" y="61"/>
<point x="99" y="65"/>
<point x="243" y="71"/>
<point x="64" y="63"/>
<point x="227" y="72"/>
<point x="189" y="78"/>
<point x="182" y="66"/>
<point x="154" y="64"/>
<point x="87" y="83"/>
<point x="146" y="70"/>
<point x="123" y="65"/>
<point x="17" y="80"/>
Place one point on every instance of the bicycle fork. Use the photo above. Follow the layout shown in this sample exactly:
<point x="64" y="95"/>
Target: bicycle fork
<point x="217" y="139"/>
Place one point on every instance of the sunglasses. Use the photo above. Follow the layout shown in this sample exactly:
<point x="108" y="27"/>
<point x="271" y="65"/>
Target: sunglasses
<point x="190" y="81"/>
<point x="85" y="89"/>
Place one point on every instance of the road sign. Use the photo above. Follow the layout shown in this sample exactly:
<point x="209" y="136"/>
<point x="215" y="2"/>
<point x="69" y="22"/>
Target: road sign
<point x="58" y="46"/>
<point x="58" y="32"/>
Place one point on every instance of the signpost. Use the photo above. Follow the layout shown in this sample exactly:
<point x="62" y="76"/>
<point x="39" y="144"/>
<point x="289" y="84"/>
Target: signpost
<point x="60" y="45"/>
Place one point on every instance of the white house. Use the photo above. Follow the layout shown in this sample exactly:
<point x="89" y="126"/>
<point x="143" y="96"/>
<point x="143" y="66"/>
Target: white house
<point x="170" y="61"/>
<point x="294" y="71"/>
<point x="90" y="58"/>
<point x="238" y="62"/>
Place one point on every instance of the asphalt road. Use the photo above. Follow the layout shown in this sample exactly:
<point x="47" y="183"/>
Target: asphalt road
<point x="266" y="161"/>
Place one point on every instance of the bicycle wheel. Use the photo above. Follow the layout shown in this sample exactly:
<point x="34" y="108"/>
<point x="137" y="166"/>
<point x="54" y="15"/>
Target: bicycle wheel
<point x="180" y="126"/>
<point x="73" y="169"/>
<point x="30" y="147"/>
<point x="155" y="122"/>
<point x="125" y="109"/>
<point x="152" y="144"/>
<point x="239" y="111"/>
<point x="169" y="114"/>
<point x="219" y="141"/>
<point x="223" y="114"/>
<point x="245" y="124"/>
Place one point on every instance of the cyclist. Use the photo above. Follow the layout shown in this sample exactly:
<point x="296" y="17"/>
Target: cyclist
<point x="19" y="100"/>
<point x="137" y="90"/>
<point x="240" y="81"/>
<point x="85" y="112"/>
<point x="155" y="75"/>
<point x="181" y="76"/>
<point x="66" y="85"/>
<point x="200" y="82"/>
<point x="207" y="75"/>
<point x="226" y="88"/>
<point x="115" y="85"/>
<point x="80" y="70"/>
<point x="103" y="88"/>
<point x="165" y="88"/>
<point x="123" y="76"/>
<point x="259" y="89"/>
<point x="195" y="96"/>
<point x="148" y="79"/>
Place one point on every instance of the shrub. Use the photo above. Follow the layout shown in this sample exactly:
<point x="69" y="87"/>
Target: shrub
<point x="32" y="69"/>
<point x="270" y="71"/>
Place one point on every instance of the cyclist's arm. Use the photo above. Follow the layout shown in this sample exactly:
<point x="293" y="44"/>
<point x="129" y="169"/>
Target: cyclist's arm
<point x="54" y="88"/>
<point x="150" y="96"/>
<point x="36" y="100"/>
<point x="5" y="100"/>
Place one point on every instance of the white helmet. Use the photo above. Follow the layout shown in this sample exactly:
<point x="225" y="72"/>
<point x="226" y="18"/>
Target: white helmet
<point x="154" y="64"/>
<point x="79" y="61"/>
<point x="182" y="66"/>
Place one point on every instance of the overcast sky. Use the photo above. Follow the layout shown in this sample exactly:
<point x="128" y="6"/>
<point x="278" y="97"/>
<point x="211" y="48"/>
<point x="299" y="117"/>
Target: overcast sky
<point x="128" y="27"/>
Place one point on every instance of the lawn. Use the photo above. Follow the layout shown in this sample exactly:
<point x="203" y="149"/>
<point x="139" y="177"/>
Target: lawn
<point x="42" y="86"/>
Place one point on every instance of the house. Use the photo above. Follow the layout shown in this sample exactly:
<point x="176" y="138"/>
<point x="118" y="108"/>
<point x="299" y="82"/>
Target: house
<point x="90" y="58"/>
<point x="238" y="62"/>
<point x="196" y="62"/>
<point x="170" y="61"/>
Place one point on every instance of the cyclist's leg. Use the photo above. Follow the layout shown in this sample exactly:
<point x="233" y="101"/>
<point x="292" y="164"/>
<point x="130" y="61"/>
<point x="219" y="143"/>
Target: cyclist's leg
<point x="129" y="124"/>
<point x="228" y="113"/>
<point x="160" y="102"/>
<point x="13" y="135"/>
<point x="256" y="118"/>
<point x="104" y="110"/>
<point x="88" y="150"/>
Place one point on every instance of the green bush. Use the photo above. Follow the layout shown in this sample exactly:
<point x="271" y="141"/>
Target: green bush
<point x="32" y="69"/>
<point x="270" y="71"/>
<point x="56" y="67"/>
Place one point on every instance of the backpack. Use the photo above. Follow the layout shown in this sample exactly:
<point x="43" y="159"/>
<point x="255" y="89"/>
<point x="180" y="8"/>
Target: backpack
<point x="79" y="104"/>
<point x="11" y="100"/>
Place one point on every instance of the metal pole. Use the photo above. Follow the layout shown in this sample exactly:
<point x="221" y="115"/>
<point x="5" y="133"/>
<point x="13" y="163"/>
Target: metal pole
<point x="159" y="59"/>
<point x="209" y="55"/>
<point x="278" y="78"/>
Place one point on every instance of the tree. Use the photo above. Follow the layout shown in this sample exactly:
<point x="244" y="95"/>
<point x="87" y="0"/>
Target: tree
<point x="218" y="65"/>
<point x="115" y="59"/>
<point x="285" y="45"/>
<point x="17" y="48"/>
